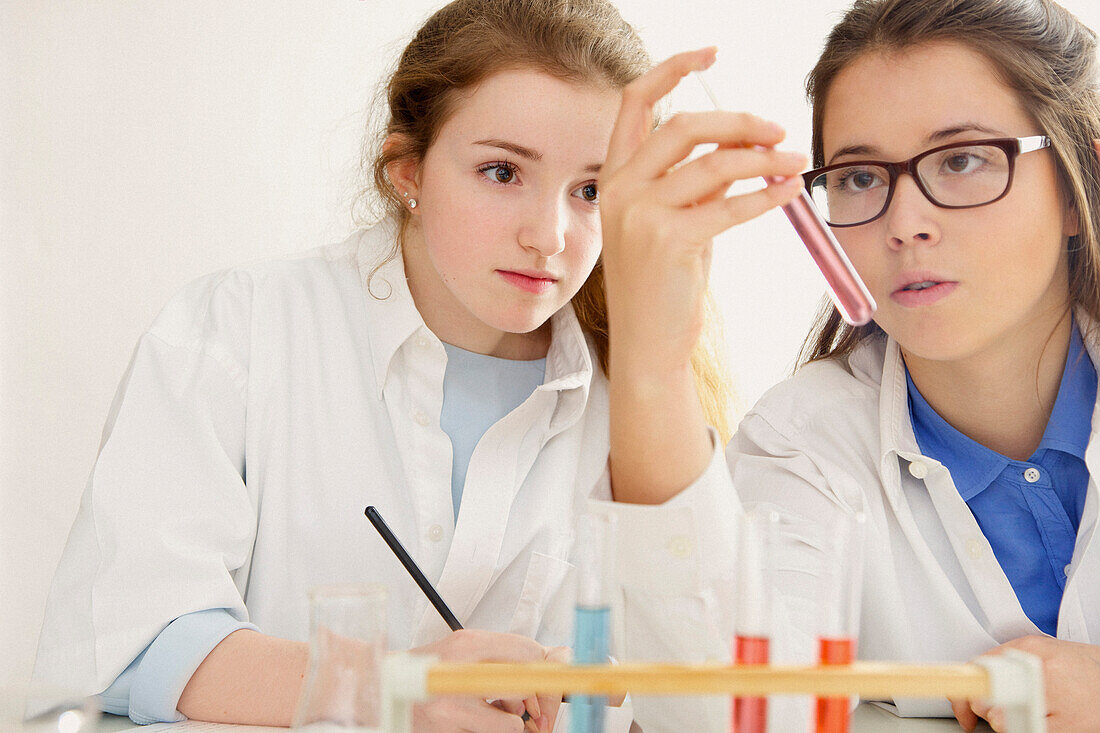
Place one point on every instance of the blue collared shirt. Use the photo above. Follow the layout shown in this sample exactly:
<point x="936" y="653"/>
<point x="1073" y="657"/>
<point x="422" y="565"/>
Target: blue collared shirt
<point x="1028" y="510"/>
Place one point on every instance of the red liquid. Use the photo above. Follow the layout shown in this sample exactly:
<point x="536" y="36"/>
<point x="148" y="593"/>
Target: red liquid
<point x="750" y="714"/>
<point x="832" y="712"/>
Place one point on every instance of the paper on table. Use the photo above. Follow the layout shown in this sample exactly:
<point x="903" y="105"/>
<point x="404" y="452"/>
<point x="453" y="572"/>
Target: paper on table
<point x="618" y="720"/>
<point x="197" y="726"/>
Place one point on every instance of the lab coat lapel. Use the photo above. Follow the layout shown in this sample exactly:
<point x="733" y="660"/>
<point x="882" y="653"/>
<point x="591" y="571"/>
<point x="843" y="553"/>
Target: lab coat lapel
<point x="1082" y="591"/>
<point x="899" y="446"/>
<point x="1005" y="617"/>
<point x="498" y="468"/>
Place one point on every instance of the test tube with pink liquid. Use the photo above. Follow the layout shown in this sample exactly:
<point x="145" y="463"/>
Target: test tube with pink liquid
<point x="846" y="289"/>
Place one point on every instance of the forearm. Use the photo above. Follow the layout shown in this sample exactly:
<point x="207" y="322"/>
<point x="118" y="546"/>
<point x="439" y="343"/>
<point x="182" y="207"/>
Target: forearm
<point x="248" y="678"/>
<point x="659" y="438"/>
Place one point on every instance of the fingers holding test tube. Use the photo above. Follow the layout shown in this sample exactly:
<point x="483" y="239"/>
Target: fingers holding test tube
<point x="660" y="211"/>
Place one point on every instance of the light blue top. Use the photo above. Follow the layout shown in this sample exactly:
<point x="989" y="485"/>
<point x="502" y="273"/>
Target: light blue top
<point x="1028" y="510"/>
<point x="478" y="391"/>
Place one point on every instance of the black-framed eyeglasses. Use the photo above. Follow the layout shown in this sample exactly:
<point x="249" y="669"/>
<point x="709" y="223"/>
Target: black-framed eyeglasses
<point x="956" y="176"/>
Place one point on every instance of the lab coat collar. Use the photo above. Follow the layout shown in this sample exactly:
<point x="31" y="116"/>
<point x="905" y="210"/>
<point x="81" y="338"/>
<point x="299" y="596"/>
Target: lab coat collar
<point x="393" y="319"/>
<point x="569" y="368"/>
<point x="895" y="427"/>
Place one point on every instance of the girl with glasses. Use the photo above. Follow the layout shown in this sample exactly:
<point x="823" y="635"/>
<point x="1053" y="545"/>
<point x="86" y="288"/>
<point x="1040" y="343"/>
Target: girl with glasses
<point x="955" y="146"/>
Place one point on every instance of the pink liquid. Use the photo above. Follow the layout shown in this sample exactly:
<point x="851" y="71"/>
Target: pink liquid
<point x="851" y="296"/>
<point x="750" y="714"/>
<point x="832" y="712"/>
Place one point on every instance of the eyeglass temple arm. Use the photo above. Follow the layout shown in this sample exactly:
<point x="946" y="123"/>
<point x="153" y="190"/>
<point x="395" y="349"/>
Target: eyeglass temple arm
<point x="1034" y="142"/>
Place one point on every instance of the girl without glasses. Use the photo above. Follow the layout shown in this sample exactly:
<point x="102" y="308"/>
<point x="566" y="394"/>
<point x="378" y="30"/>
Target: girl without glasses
<point x="447" y="365"/>
<point x="960" y="420"/>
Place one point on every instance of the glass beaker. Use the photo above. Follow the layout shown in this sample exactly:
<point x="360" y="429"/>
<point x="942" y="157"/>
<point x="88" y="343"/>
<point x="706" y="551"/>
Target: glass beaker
<point x="342" y="690"/>
<point x="45" y="710"/>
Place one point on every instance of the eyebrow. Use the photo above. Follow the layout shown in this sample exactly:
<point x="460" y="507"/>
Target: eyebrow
<point x="937" y="136"/>
<point x="525" y="152"/>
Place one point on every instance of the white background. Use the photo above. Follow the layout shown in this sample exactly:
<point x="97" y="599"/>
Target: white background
<point x="145" y="144"/>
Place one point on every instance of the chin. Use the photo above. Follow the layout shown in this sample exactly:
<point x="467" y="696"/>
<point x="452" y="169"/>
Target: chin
<point x="519" y="323"/>
<point x="946" y="346"/>
<point x="934" y="339"/>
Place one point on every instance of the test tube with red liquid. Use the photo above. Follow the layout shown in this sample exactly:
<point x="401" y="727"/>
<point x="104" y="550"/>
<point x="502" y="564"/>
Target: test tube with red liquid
<point x="752" y="621"/>
<point x="840" y="580"/>
<point x="846" y="289"/>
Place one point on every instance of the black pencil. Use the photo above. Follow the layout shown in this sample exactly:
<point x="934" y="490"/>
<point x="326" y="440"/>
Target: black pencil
<point x="417" y="574"/>
<point x="414" y="570"/>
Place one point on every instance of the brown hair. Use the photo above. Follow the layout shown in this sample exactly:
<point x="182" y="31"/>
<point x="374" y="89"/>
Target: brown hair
<point x="1043" y="53"/>
<point x="582" y="41"/>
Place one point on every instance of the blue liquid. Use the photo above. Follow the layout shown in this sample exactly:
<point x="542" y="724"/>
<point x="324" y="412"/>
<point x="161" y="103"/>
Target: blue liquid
<point x="591" y="630"/>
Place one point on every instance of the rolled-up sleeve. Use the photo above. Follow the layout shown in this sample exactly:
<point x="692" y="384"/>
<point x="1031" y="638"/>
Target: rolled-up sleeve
<point x="149" y="690"/>
<point x="166" y="523"/>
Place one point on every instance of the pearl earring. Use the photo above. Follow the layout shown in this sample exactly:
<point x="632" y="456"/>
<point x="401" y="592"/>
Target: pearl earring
<point x="412" y="202"/>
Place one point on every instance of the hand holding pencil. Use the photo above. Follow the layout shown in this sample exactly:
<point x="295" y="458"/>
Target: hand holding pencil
<point x="469" y="645"/>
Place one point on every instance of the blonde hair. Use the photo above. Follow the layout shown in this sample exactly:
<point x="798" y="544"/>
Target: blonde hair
<point x="467" y="41"/>
<point x="1043" y="53"/>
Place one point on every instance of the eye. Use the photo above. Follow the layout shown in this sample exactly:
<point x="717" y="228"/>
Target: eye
<point x="499" y="172"/>
<point x="857" y="180"/>
<point x="962" y="162"/>
<point x="589" y="193"/>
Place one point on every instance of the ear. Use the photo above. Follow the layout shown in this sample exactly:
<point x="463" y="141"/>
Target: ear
<point x="404" y="173"/>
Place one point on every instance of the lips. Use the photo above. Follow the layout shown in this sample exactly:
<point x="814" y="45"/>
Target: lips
<point x="530" y="281"/>
<point x="915" y="289"/>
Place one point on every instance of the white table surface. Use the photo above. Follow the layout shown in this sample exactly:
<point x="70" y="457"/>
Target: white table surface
<point x="867" y="719"/>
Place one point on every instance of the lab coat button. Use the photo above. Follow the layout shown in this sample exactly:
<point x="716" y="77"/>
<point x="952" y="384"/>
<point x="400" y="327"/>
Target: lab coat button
<point x="435" y="533"/>
<point x="1031" y="475"/>
<point x="421" y="418"/>
<point x="974" y="547"/>
<point x="679" y="546"/>
<point x="918" y="470"/>
<point x="1066" y="570"/>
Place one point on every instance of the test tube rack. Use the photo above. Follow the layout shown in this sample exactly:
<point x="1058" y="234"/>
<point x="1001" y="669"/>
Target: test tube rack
<point x="1012" y="680"/>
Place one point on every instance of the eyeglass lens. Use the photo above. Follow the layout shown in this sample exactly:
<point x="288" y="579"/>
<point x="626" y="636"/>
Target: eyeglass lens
<point x="968" y="175"/>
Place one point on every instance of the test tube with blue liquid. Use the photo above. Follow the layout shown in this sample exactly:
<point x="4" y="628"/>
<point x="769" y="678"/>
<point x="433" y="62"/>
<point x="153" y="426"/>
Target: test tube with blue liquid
<point x="592" y="622"/>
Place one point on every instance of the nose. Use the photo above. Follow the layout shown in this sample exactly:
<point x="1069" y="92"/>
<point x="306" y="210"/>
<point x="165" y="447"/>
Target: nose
<point x="911" y="217"/>
<point x="543" y="228"/>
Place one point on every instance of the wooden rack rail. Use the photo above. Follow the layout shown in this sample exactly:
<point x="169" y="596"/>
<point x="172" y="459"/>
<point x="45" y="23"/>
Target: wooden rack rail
<point x="867" y="679"/>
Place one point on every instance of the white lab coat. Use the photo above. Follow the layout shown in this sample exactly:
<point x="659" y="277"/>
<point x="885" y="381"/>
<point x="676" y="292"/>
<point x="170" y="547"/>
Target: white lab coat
<point x="836" y="438"/>
<point x="267" y="405"/>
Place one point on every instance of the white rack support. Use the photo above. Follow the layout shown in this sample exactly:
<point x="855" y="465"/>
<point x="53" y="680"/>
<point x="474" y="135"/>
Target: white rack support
<point x="1016" y="686"/>
<point x="404" y="682"/>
